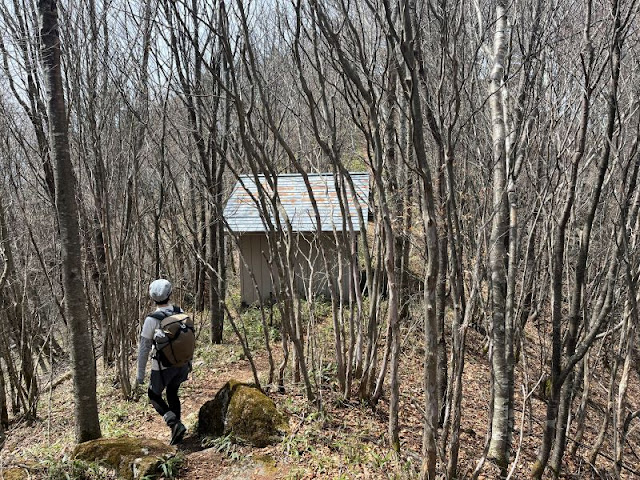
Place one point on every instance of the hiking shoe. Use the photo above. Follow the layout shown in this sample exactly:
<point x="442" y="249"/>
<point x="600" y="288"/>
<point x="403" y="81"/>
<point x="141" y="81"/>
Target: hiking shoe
<point x="177" y="433"/>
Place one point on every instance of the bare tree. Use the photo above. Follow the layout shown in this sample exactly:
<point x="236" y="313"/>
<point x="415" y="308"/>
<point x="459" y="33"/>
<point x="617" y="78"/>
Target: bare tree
<point x="84" y="369"/>
<point x="194" y="57"/>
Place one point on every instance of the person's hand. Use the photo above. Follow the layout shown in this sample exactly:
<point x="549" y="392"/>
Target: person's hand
<point x="137" y="390"/>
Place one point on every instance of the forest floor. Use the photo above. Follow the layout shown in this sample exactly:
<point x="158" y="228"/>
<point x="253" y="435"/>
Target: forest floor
<point x="347" y="440"/>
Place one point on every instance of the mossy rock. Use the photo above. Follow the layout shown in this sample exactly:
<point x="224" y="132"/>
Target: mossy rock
<point x="26" y="469"/>
<point x="253" y="417"/>
<point x="245" y="412"/>
<point x="211" y="417"/>
<point x="131" y="458"/>
<point x="15" y="473"/>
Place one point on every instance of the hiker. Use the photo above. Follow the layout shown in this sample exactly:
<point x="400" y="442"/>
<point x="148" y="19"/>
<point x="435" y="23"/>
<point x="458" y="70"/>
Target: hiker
<point x="162" y="376"/>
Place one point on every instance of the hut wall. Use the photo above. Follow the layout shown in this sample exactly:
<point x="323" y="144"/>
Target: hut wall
<point x="254" y="250"/>
<point x="310" y="274"/>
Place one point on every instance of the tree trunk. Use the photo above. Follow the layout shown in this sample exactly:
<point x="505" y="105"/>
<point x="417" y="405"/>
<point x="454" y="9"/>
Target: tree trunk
<point x="557" y="268"/>
<point x="578" y="286"/>
<point x="430" y="427"/>
<point x="82" y="355"/>
<point x="441" y="285"/>
<point x="216" y="314"/>
<point x="498" y="448"/>
<point x="4" y="415"/>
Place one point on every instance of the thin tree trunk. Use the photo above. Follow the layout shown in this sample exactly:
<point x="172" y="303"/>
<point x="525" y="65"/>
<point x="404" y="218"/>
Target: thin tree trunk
<point x="631" y="279"/>
<point x="458" y="353"/>
<point x="557" y="265"/>
<point x="575" y="310"/>
<point x="430" y="428"/>
<point x="498" y="448"/>
<point x="581" y="414"/>
<point x="4" y="412"/>
<point x="441" y="286"/>
<point x="7" y="256"/>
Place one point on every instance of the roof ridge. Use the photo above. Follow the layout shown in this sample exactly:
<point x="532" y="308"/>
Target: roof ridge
<point x="314" y="174"/>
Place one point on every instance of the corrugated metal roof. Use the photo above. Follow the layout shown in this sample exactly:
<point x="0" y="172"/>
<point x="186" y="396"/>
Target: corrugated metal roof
<point x="242" y="212"/>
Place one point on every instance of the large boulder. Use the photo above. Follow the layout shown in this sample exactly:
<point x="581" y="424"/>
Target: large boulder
<point x="131" y="458"/>
<point x="245" y="412"/>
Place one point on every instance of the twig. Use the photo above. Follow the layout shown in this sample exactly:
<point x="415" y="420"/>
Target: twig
<point x="522" y="417"/>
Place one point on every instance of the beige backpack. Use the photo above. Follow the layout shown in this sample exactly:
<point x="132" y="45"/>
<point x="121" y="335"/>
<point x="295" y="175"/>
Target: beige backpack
<point x="174" y="339"/>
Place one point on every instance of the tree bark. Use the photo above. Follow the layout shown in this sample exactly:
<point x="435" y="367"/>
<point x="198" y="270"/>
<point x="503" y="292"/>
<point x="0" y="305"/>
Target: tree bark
<point x="82" y="355"/>
<point x="498" y="448"/>
<point x="430" y="428"/>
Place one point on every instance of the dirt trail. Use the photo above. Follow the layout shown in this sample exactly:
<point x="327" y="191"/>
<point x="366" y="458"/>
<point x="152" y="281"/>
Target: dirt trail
<point x="203" y="384"/>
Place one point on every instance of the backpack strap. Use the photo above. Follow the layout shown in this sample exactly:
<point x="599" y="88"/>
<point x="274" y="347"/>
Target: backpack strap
<point x="160" y="315"/>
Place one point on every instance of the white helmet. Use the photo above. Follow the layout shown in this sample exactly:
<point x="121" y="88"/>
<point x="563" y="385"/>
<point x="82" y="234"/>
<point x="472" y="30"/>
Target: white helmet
<point x="160" y="290"/>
